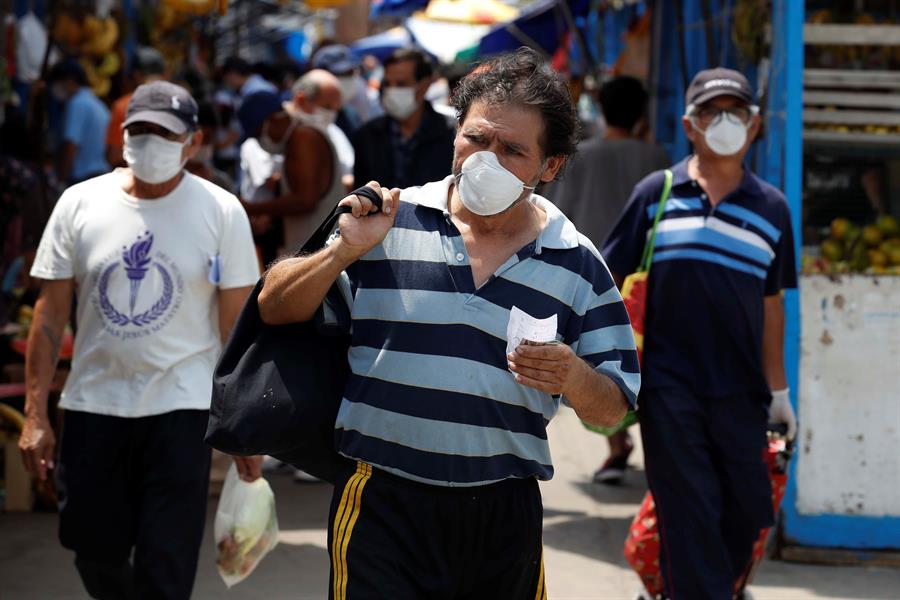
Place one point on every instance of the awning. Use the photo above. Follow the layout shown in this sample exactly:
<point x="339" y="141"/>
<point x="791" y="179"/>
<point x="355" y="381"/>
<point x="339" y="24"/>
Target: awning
<point x="541" y="25"/>
<point x="382" y="44"/>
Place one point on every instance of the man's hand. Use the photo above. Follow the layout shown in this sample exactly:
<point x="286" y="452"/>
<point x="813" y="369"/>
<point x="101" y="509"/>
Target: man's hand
<point x="249" y="468"/>
<point x="781" y="411"/>
<point x="37" y="444"/>
<point x="550" y="368"/>
<point x="359" y="235"/>
<point x="555" y="369"/>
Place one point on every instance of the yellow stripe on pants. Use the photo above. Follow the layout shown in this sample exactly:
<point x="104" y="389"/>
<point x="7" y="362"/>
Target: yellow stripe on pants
<point x="541" y="593"/>
<point x="344" y="520"/>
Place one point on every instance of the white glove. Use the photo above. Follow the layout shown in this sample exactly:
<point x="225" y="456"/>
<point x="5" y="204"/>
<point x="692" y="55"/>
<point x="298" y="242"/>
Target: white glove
<point x="781" y="411"/>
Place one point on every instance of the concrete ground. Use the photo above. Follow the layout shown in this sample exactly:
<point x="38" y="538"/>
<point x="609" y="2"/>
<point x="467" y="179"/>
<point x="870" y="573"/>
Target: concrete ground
<point x="584" y="528"/>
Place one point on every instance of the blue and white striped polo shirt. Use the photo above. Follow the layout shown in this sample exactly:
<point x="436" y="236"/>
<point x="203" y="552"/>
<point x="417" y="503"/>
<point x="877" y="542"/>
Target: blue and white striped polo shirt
<point x="712" y="268"/>
<point x="430" y="397"/>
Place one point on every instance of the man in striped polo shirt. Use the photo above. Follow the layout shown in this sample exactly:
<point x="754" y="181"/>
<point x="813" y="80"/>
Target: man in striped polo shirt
<point x="446" y="427"/>
<point x="713" y="358"/>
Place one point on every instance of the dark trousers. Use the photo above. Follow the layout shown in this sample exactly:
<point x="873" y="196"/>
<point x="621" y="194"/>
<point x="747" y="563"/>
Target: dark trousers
<point x="134" y="486"/>
<point x="394" y="539"/>
<point x="704" y="461"/>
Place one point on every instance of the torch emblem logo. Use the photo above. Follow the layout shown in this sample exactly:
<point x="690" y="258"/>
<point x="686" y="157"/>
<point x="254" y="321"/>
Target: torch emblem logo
<point x="137" y="264"/>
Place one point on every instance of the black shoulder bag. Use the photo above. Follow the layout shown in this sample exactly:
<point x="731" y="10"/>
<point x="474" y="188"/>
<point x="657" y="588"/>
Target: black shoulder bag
<point x="277" y="388"/>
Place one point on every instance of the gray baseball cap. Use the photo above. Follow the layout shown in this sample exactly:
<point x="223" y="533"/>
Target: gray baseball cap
<point x="165" y="104"/>
<point x="712" y="83"/>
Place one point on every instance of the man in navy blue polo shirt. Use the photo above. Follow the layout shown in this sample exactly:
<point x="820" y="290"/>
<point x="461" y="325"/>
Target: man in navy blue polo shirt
<point x="713" y="360"/>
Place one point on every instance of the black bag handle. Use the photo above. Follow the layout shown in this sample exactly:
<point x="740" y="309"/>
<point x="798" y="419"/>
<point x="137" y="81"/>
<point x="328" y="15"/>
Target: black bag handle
<point x="317" y="240"/>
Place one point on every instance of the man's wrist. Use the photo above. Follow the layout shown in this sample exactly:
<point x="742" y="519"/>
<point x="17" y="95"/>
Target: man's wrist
<point x="580" y="376"/>
<point x="35" y="409"/>
<point x="344" y="253"/>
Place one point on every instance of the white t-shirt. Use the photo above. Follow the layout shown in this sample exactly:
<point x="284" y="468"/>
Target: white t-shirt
<point x="147" y="274"/>
<point x="345" y="153"/>
<point x="257" y="166"/>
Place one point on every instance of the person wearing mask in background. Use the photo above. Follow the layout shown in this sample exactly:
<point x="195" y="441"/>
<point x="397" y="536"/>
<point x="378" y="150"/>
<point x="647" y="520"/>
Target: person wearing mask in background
<point x="306" y="180"/>
<point x="162" y="263"/>
<point x="316" y="102"/>
<point x="148" y="65"/>
<point x="595" y="189"/>
<point x="359" y="102"/>
<point x="713" y="367"/>
<point x="410" y="144"/>
<point x="260" y="175"/>
<point x="82" y="151"/>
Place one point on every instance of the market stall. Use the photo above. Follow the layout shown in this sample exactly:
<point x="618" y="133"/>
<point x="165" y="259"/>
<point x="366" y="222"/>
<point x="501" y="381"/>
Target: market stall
<point x="845" y="491"/>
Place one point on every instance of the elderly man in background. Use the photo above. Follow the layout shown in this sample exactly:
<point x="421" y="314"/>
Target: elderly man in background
<point x="713" y="364"/>
<point x="316" y="102"/>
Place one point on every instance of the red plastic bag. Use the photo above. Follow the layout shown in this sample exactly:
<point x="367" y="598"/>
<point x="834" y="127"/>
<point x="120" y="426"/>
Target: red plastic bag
<point x="642" y="544"/>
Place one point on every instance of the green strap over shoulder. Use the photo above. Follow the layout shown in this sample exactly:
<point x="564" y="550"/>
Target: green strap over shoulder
<point x="647" y="258"/>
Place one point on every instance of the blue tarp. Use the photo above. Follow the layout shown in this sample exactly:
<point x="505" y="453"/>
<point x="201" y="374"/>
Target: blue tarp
<point x="382" y="44"/>
<point x="543" y="22"/>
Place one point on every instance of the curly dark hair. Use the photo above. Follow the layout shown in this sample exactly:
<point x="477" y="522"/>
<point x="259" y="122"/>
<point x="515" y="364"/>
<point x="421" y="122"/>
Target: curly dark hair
<point x="525" y="79"/>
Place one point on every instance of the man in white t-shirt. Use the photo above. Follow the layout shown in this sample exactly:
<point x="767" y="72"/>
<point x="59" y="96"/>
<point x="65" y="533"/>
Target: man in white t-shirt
<point x="161" y="262"/>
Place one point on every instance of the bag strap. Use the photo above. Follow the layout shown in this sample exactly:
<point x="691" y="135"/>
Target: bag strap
<point x="647" y="258"/>
<point x="317" y="240"/>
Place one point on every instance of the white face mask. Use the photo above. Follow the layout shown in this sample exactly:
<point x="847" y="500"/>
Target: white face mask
<point x="486" y="187"/>
<point x="399" y="102"/>
<point x="271" y="146"/>
<point x="725" y="136"/>
<point x="152" y="158"/>
<point x="348" y="87"/>
<point x="320" y="117"/>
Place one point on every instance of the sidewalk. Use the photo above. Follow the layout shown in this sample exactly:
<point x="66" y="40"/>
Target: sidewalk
<point x="584" y="527"/>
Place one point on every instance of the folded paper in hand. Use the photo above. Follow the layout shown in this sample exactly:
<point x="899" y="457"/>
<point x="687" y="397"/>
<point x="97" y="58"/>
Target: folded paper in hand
<point x="522" y="327"/>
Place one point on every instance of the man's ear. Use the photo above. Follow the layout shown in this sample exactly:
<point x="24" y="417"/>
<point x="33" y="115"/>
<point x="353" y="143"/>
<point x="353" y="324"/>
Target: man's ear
<point x="554" y="164"/>
<point x="190" y="150"/>
<point x="689" y="132"/>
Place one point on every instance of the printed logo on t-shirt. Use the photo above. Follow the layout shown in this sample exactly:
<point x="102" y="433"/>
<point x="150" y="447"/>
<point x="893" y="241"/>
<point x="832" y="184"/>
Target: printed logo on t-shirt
<point x="138" y="290"/>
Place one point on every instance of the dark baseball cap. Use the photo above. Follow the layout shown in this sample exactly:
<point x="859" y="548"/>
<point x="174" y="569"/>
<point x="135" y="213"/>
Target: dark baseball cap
<point x="255" y="109"/>
<point x="336" y="59"/>
<point x="165" y="104"/>
<point x="712" y="83"/>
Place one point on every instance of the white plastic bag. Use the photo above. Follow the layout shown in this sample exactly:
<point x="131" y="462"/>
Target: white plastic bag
<point x="246" y="526"/>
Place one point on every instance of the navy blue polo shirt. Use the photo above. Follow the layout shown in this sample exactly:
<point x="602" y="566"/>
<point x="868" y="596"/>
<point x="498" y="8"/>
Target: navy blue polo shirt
<point x="712" y="268"/>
